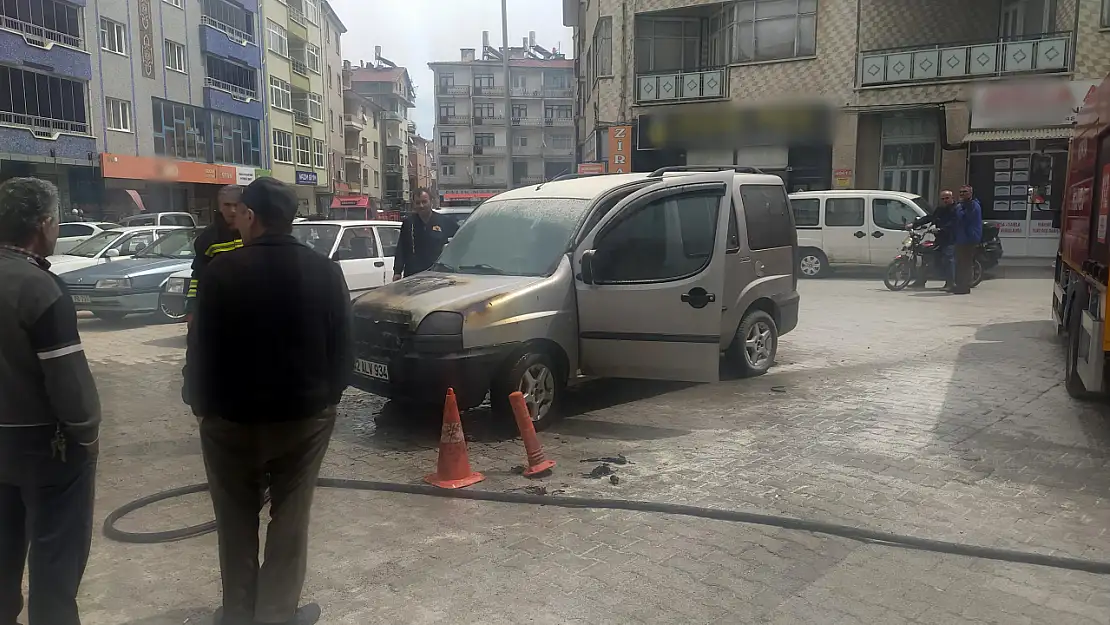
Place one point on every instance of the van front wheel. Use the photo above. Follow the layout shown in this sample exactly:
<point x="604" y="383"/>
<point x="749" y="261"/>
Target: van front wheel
<point x="537" y="377"/>
<point x="756" y="345"/>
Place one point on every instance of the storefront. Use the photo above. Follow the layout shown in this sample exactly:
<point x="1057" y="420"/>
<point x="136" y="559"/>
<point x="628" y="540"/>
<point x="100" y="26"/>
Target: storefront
<point x="1009" y="123"/>
<point x="353" y="207"/>
<point x="134" y="184"/>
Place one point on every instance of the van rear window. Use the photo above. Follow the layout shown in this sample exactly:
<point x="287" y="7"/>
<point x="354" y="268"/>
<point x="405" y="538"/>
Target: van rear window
<point x="767" y="215"/>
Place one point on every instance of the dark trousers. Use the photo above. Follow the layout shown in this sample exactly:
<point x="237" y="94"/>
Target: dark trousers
<point x="242" y="461"/>
<point x="46" y="521"/>
<point x="965" y="263"/>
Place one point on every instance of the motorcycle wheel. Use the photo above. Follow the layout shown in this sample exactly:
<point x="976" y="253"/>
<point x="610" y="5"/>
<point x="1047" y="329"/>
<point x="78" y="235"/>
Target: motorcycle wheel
<point x="899" y="274"/>
<point x="976" y="273"/>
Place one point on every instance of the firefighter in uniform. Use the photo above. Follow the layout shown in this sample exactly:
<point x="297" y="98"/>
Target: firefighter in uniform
<point x="217" y="238"/>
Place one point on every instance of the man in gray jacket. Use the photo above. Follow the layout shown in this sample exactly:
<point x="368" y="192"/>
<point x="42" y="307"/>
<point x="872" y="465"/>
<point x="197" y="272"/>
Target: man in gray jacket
<point x="49" y="417"/>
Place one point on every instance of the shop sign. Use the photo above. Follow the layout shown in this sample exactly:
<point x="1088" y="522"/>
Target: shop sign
<point x="307" y="178"/>
<point x="1028" y="103"/>
<point x="620" y="149"/>
<point x="245" y="175"/>
<point x="165" y="170"/>
<point x="591" y="168"/>
<point x="842" y="178"/>
<point x="1042" y="228"/>
<point x="1011" y="228"/>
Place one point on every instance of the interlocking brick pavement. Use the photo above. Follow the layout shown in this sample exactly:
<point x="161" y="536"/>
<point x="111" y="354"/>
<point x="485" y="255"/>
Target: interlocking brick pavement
<point x="915" y="413"/>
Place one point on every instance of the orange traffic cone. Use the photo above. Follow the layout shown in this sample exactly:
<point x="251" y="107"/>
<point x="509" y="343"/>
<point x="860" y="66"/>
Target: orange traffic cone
<point x="453" y="468"/>
<point x="537" y="463"/>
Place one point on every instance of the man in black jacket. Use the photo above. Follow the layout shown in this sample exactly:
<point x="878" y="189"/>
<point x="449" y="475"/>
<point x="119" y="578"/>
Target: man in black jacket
<point x="269" y="357"/>
<point x="49" y="417"/>
<point x="220" y="236"/>
<point x="943" y="219"/>
<point x="423" y="235"/>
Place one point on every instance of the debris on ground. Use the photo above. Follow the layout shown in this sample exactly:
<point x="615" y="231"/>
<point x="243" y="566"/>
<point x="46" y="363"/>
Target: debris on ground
<point x="778" y="389"/>
<point x="619" y="459"/>
<point x="599" y="472"/>
<point x="519" y="469"/>
<point x="614" y="479"/>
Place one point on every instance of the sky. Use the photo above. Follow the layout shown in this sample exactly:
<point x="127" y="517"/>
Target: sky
<point x="413" y="33"/>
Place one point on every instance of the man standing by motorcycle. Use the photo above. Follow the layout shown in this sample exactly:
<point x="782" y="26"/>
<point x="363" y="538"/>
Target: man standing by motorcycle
<point x="943" y="219"/>
<point x="968" y="233"/>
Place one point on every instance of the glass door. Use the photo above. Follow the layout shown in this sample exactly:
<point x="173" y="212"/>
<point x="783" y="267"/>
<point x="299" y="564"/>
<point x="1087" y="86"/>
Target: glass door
<point x="909" y="180"/>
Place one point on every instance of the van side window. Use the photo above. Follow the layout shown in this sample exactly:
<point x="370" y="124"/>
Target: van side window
<point x="807" y="212"/>
<point x="767" y="216"/>
<point x="666" y="239"/>
<point x="732" y="245"/>
<point x="891" y="214"/>
<point x="844" y="211"/>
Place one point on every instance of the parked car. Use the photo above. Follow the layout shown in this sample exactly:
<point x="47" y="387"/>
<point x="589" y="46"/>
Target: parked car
<point x="851" y="227"/>
<point x="107" y="246"/>
<point x="132" y="285"/>
<point x="650" y="276"/>
<point x="160" y="219"/>
<point x="73" y="233"/>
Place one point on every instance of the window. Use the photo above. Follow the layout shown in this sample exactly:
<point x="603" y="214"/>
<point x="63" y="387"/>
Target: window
<point x="312" y="57"/>
<point x="446" y="80"/>
<point x="389" y="237"/>
<point x="483" y="139"/>
<point x="175" y="56"/>
<point x="316" y="107"/>
<point x="377" y="180"/>
<point x="767" y="216"/>
<point x="66" y="231"/>
<point x="485" y="170"/>
<point x="311" y="10"/>
<point x="448" y="169"/>
<point x="238" y="80"/>
<point x="318" y="154"/>
<point x="230" y="19"/>
<point x="283" y="147"/>
<point x="666" y="239"/>
<point x="521" y="142"/>
<point x="375" y="149"/>
<point x="113" y="36"/>
<point x="236" y="140"/>
<point x="603" y="46"/>
<point x="304" y="150"/>
<point x="177" y="3"/>
<point x="445" y="139"/>
<point x="1104" y="22"/>
<point x="281" y="95"/>
<point x="666" y="45"/>
<point x="118" y="113"/>
<point x="520" y="110"/>
<point x="483" y="80"/>
<point x="180" y="130"/>
<point x="484" y="111"/>
<point x="763" y="30"/>
<point x="565" y="142"/>
<point x="278" y="39"/>
<point x="807" y="212"/>
<point x="844" y="211"/>
<point x="357" y="244"/>
<point x="45" y="19"/>
<point x="890" y="214"/>
<point x="446" y="110"/>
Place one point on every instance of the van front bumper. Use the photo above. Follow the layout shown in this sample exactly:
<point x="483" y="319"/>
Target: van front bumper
<point x="425" y="377"/>
<point x="788" y="305"/>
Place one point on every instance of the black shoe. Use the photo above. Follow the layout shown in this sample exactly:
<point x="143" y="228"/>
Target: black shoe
<point x="218" y="619"/>
<point x="308" y="614"/>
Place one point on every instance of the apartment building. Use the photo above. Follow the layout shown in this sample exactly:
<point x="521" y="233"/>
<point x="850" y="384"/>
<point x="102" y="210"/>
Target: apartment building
<point x="364" y="136"/>
<point x="421" y="162"/>
<point x="334" y="99"/>
<point x="473" y="127"/>
<point x="928" y="94"/>
<point x="391" y="88"/>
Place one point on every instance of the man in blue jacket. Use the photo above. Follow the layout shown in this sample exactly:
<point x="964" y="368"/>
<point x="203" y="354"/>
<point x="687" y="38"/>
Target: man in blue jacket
<point x="968" y="233"/>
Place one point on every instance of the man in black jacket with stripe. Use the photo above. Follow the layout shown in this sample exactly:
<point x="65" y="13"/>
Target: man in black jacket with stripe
<point x="220" y="236"/>
<point x="49" y="417"/>
<point x="268" y="359"/>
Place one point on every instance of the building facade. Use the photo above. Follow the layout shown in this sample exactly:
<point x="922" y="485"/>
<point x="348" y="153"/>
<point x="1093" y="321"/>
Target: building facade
<point x="924" y="92"/>
<point x="473" y="128"/>
<point x="334" y="100"/>
<point x="391" y="88"/>
<point x="363" y="152"/>
<point x="420" y="164"/>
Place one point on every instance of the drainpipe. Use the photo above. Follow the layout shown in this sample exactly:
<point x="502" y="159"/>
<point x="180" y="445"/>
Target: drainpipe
<point x="624" y="65"/>
<point x="508" y="96"/>
<point x="942" y="125"/>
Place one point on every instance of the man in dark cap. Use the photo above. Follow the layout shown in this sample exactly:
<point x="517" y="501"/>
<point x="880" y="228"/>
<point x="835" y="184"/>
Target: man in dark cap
<point x="269" y="357"/>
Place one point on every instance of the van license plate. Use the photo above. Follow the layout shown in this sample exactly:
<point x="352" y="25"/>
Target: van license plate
<point x="374" y="370"/>
<point x="82" y="299"/>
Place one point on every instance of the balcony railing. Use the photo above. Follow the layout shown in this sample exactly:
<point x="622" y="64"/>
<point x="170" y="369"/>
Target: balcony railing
<point x="489" y="91"/>
<point x="353" y="154"/>
<point x="527" y="150"/>
<point x="491" y="180"/>
<point x="390" y="116"/>
<point x="241" y="93"/>
<point x="455" y="150"/>
<point x="392" y="168"/>
<point x="454" y="120"/>
<point x="1051" y="52"/>
<point x="356" y="122"/>
<point x="704" y="84"/>
<point x="457" y="90"/>
<point x="39" y="36"/>
<point x="455" y="179"/>
<point x="553" y="151"/>
<point x="489" y="121"/>
<point x="527" y="121"/>
<point x="43" y="127"/>
<point x="558" y="92"/>
<point x="558" y="121"/>
<point x="299" y="67"/>
<point x="302" y="118"/>
<point x="240" y="37"/>
<point x="297" y="16"/>
<point x="526" y="92"/>
<point x="489" y="150"/>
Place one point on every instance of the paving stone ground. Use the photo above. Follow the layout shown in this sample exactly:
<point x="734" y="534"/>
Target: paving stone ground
<point x="916" y="413"/>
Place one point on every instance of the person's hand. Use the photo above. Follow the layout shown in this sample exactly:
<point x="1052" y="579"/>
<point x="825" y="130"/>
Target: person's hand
<point x="396" y="277"/>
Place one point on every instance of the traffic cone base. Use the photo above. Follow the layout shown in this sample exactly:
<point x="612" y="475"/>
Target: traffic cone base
<point x="453" y="466"/>
<point x="538" y="464"/>
<point x="542" y="467"/>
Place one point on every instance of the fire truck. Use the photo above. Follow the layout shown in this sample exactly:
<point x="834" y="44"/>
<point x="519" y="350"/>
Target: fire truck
<point x="1083" y="261"/>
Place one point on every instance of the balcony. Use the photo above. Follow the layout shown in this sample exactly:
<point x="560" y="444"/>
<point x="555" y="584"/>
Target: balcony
<point x="391" y="116"/>
<point x="491" y="181"/>
<point x="298" y="17"/>
<point x="554" y="152"/>
<point x="489" y="121"/>
<point x="455" y="150"/>
<point x="1051" y="52"/>
<point x="453" y="90"/>
<point x="489" y="92"/>
<point x="393" y="168"/>
<point x="301" y="118"/>
<point x="691" y="86"/>
<point x="526" y="92"/>
<point x="395" y="141"/>
<point x="455" y="179"/>
<point x="39" y="36"/>
<point x="528" y="121"/>
<point x="527" y="150"/>
<point x="353" y="155"/>
<point x="354" y="122"/>
<point x="489" y="150"/>
<point x="565" y="93"/>
<point x="558" y="122"/>
<point x="236" y="35"/>
<point x="454" y="120"/>
<point x="299" y="67"/>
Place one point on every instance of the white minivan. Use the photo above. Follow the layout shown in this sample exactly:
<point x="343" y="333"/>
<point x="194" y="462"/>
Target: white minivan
<point x="851" y="227"/>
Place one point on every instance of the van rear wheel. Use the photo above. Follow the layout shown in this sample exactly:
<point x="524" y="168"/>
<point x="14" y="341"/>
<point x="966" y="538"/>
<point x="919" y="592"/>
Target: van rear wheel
<point x="812" y="263"/>
<point x="756" y="345"/>
<point x="541" y="382"/>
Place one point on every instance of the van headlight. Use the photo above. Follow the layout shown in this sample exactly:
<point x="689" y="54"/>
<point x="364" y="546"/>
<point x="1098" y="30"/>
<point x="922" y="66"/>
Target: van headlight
<point x="441" y="323"/>
<point x="176" y="286"/>
<point x="114" y="283"/>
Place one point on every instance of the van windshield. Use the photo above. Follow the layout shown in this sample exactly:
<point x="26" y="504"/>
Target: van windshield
<point x="513" y="237"/>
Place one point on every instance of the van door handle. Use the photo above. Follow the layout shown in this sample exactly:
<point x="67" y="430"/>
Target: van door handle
<point x="860" y="234"/>
<point x="379" y="263"/>
<point x="698" y="297"/>
<point x="877" y="234"/>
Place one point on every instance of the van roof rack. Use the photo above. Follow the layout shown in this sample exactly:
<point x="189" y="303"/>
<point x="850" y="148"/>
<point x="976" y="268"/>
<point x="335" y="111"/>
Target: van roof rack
<point x="572" y="176"/>
<point x="740" y="169"/>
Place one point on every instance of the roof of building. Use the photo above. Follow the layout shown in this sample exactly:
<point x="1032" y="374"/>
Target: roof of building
<point x="377" y="74"/>
<point x="334" y="16"/>
<point x="540" y="63"/>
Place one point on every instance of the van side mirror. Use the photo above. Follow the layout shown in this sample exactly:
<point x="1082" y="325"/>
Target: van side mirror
<point x="110" y="254"/>
<point x="587" y="274"/>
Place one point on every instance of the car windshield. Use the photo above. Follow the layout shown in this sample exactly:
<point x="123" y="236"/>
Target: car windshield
<point x="320" y="238"/>
<point x="514" y="237"/>
<point x="94" y="245"/>
<point x="178" y="244"/>
<point x="923" y="205"/>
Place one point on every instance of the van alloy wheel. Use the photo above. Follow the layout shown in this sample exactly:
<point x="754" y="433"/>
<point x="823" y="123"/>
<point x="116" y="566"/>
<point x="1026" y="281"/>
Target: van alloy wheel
<point x="537" y="384"/>
<point x="759" y="344"/>
<point x="811" y="265"/>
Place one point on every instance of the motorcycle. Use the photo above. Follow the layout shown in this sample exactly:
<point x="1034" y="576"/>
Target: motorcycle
<point x="918" y="255"/>
<point x="989" y="252"/>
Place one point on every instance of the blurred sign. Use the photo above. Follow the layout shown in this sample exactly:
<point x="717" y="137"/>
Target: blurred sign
<point x="245" y="175"/>
<point x="731" y="125"/>
<point x="164" y="169"/>
<point x="146" y="38"/>
<point x="620" y="149"/>
<point x="307" y="177"/>
<point x="591" y="168"/>
<point x="842" y="178"/>
<point x="1028" y="103"/>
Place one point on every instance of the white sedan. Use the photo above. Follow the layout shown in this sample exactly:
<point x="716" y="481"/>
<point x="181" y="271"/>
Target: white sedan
<point x="106" y="246"/>
<point x="73" y="233"/>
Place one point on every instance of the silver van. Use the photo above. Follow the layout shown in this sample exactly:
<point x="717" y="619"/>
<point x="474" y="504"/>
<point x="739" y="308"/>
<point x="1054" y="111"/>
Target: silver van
<point x="650" y="276"/>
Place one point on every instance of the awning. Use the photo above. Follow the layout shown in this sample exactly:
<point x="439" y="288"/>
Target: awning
<point x="1020" y="134"/>
<point x="352" y="201"/>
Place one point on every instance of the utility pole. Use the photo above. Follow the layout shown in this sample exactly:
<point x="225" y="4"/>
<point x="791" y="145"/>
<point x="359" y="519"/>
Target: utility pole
<point x="508" y="94"/>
